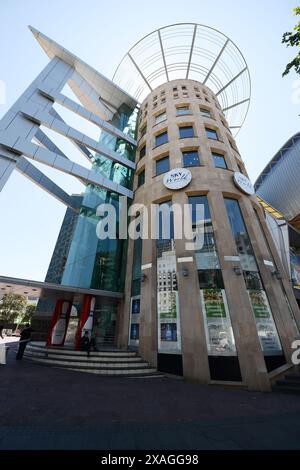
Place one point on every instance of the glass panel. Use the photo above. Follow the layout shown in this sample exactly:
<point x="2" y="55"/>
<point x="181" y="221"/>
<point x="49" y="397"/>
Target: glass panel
<point x="190" y="159"/>
<point x="218" y="328"/>
<point x="182" y="110"/>
<point x="143" y="152"/>
<point x="205" y="112"/>
<point x="161" y="139"/>
<point x="211" y="134"/>
<point x="160" y="118"/>
<point x="266" y="327"/>
<point x="219" y="161"/>
<point x="162" y="166"/>
<point x="104" y="325"/>
<point x="186" y="131"/>
<point x="141" y="178"/>
<point x="169" y="335"/>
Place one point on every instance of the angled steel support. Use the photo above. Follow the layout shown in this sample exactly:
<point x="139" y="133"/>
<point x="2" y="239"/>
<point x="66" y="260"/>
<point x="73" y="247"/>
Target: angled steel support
<point x="216" y="61"/>
<point x="41" y="180"/>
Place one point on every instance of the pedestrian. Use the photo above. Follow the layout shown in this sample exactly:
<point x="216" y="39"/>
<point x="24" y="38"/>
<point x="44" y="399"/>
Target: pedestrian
<point x="24" y="340"/>
<point x="93" y="343"/>
<point x="85" y="343"/>
<point x="1" y="331"/>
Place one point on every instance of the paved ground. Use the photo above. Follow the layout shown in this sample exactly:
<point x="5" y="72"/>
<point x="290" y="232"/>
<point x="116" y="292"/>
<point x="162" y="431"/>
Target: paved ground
<point x="47" y="408"/>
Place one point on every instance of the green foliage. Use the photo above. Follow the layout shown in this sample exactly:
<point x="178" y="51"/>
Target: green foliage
<point x="292" y="39"/>
<point x="29" y="312"/>
<point x="11" y="306"/>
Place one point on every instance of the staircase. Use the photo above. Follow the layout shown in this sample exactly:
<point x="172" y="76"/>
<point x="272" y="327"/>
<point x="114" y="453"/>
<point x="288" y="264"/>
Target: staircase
<point x="107" y="362"/>
<point x="289" y="384"/>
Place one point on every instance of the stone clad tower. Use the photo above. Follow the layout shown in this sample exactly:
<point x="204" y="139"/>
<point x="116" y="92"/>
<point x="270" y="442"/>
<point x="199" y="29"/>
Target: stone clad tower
<point x="223" y="312"/>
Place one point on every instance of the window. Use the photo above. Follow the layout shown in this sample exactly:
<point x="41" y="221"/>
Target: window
<point x="175" y="88"/>
<point x="213" y="297"/>
<point x="196" y="88"/>
<point x="155" y="104"/>
<point x="183" y="87"/>
<point x="211" y="133"/>
<point x="162" y="165"/>
<point x="219" y="160"/>
<point x="190" y="158"/>
<point x="182" y="110"/>
<point x="186" y="131"/>
<point x="143" y="131"/>
<point x="163" y="100"/>
<point x="162" y="93"/>
<point x="160" y="118"/>
<point x="155" y="98"/>
<point x="266" y="328"/>
<point x="198" y="95"/>
<point x="205" y="112"/>
<point x="141" y="178"/>
<point x="161" y="139"/>
<point x="175" y="96"/>
<point x="143" y="151"/>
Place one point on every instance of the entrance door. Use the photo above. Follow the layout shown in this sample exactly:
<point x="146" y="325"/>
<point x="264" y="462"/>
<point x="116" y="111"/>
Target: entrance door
<point x="104" y="327"/>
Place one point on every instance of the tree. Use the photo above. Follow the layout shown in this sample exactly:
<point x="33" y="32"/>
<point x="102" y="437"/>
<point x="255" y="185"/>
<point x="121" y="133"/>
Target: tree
<point x="29" y="312"/>
<point x="292" y="39"/>
<point x="11" y="306"/>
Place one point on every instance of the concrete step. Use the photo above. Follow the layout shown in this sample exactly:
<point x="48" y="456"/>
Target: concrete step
<point x="64" y="351"/>
<point x="88" y="362"/>
<point x="92" y="357"/>
<point x="112" y="362"/>
<point x="289" y="384"/>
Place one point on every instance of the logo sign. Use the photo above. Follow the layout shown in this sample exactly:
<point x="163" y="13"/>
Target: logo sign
<point x="178" y="178"/>
<point x="243" y="183"/>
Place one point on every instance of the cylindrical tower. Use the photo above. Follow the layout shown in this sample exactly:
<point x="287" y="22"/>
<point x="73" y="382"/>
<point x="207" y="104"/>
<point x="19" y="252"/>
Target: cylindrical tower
<point x="221" y="309"/>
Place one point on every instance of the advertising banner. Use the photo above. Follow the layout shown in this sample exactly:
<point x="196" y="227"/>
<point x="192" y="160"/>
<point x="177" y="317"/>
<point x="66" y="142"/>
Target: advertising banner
<point x="219" y="334"/>
<point x="265" y="324"/>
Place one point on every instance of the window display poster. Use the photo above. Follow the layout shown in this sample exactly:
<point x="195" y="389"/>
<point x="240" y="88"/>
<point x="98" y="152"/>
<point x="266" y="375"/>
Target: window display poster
<point x="168" y="331"/>
<point x="135" y="306"/>
<point x="219" y="334"/>
<point x="134" y="331"/>
<point x="265" y="324"/>
<point x="295" y="269"/>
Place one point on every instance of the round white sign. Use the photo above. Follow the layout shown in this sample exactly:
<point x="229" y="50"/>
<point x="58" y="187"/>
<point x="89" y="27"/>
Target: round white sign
<point x="178" y="178"/>
<point x="243" y="183"/>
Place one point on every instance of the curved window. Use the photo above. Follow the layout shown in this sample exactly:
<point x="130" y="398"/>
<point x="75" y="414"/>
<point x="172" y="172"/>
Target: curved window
<point x="266" y="328"/>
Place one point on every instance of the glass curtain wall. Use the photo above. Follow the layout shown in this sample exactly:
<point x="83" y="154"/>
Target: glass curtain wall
<point x="266" y="328"/>
<point x="94" y="263"/>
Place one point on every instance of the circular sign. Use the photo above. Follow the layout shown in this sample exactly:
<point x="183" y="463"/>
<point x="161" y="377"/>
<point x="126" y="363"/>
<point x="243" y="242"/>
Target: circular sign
<point x="178" y="178"/>
<point x="243" y="183"/>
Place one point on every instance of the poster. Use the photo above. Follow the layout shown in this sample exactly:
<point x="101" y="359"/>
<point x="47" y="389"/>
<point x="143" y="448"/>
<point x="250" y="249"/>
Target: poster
<point x="134" y="324"/>
<point x="134" y="331"/>
<point x="219" y="334"/>
<point x="168" y="332"/>
<point x="265" y="324"/>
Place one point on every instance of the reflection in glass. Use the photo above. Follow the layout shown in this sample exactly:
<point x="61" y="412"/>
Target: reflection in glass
<point x="265" y="324"/>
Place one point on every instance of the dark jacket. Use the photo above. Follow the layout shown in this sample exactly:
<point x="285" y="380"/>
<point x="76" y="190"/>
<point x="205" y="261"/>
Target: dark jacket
<point x="84" y="343"/>
<point x="26" y="334"/>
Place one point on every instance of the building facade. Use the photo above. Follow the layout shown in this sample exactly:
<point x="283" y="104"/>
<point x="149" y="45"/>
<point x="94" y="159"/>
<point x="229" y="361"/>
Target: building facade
<point x="210" y="306"/>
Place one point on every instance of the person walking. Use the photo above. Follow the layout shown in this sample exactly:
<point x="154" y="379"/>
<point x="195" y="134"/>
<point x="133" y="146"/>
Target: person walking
<point x="85" y="343"/>
<point x="24" y="340"/>
<point x="1" y="331"/>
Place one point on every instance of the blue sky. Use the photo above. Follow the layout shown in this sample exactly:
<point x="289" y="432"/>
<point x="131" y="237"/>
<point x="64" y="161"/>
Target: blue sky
<point x="101" y="32"/>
